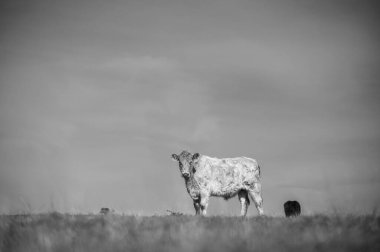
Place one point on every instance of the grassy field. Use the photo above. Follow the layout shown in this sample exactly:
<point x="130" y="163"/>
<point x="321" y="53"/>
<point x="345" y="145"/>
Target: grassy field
<point x="64" y="232"/>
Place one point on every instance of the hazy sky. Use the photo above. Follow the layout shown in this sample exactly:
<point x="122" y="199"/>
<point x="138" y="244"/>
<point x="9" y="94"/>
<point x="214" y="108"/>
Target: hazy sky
<point x="95" y="96"/>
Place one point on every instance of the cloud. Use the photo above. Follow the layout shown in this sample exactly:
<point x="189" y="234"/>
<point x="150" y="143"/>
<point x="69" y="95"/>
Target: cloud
<point x="167" y="99"/>
<point x="140" y="65"/>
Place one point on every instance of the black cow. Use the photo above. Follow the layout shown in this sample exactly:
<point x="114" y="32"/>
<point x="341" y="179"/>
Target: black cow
<point x="104" y="210"/>
<point x="292" y="208"/>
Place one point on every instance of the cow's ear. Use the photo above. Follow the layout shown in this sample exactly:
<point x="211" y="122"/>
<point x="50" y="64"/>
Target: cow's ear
<point x="175" y="157"/>
<point x="195" y="156"/>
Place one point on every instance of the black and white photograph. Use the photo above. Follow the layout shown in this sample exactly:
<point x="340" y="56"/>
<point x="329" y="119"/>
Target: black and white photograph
<point x="189" y="125"/>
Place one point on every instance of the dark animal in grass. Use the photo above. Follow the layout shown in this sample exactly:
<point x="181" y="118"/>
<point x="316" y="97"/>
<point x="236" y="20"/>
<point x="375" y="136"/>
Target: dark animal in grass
<point x="104" y="210"/>
<point x="292" y="208"/>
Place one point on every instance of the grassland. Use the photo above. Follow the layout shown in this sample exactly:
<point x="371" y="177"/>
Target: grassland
<point x="64" y="232"/>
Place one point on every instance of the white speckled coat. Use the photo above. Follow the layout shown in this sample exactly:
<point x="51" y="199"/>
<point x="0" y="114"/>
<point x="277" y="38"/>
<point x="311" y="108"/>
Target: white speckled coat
<point x="206" y="176"/>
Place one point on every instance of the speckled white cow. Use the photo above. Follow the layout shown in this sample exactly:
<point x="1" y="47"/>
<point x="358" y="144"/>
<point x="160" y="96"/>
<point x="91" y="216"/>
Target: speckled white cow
<point x="206" y="176"/>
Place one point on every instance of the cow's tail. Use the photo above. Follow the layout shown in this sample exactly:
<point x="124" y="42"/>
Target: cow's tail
<point x="259" y="170"/>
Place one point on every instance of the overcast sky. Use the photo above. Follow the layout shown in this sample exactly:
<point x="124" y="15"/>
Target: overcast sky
<point x="95" y="96"/>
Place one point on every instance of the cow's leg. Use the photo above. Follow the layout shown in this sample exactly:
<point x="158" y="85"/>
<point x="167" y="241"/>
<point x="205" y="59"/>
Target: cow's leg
<point x="204" y="203"/>
<point x="255" y="193"/>
<point x="197" y="207"/>
<point x="244" y="202"/>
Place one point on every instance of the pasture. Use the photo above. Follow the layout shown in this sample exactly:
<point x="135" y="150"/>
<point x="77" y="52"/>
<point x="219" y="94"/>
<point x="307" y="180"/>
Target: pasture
<point x="67" y="232"/>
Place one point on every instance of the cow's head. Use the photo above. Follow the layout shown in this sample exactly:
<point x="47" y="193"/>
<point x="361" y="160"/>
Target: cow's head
<point x="186" y="162"/>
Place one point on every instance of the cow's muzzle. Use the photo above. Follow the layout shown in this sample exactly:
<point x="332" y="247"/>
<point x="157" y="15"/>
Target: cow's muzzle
<point x="186" y="175"/>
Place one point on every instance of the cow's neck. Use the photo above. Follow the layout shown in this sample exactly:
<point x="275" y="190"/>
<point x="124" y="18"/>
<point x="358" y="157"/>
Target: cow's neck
<point x="192" y="186"/>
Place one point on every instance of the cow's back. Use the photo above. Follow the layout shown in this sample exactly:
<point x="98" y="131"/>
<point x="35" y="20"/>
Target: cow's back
<point x="226" y="177"/>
